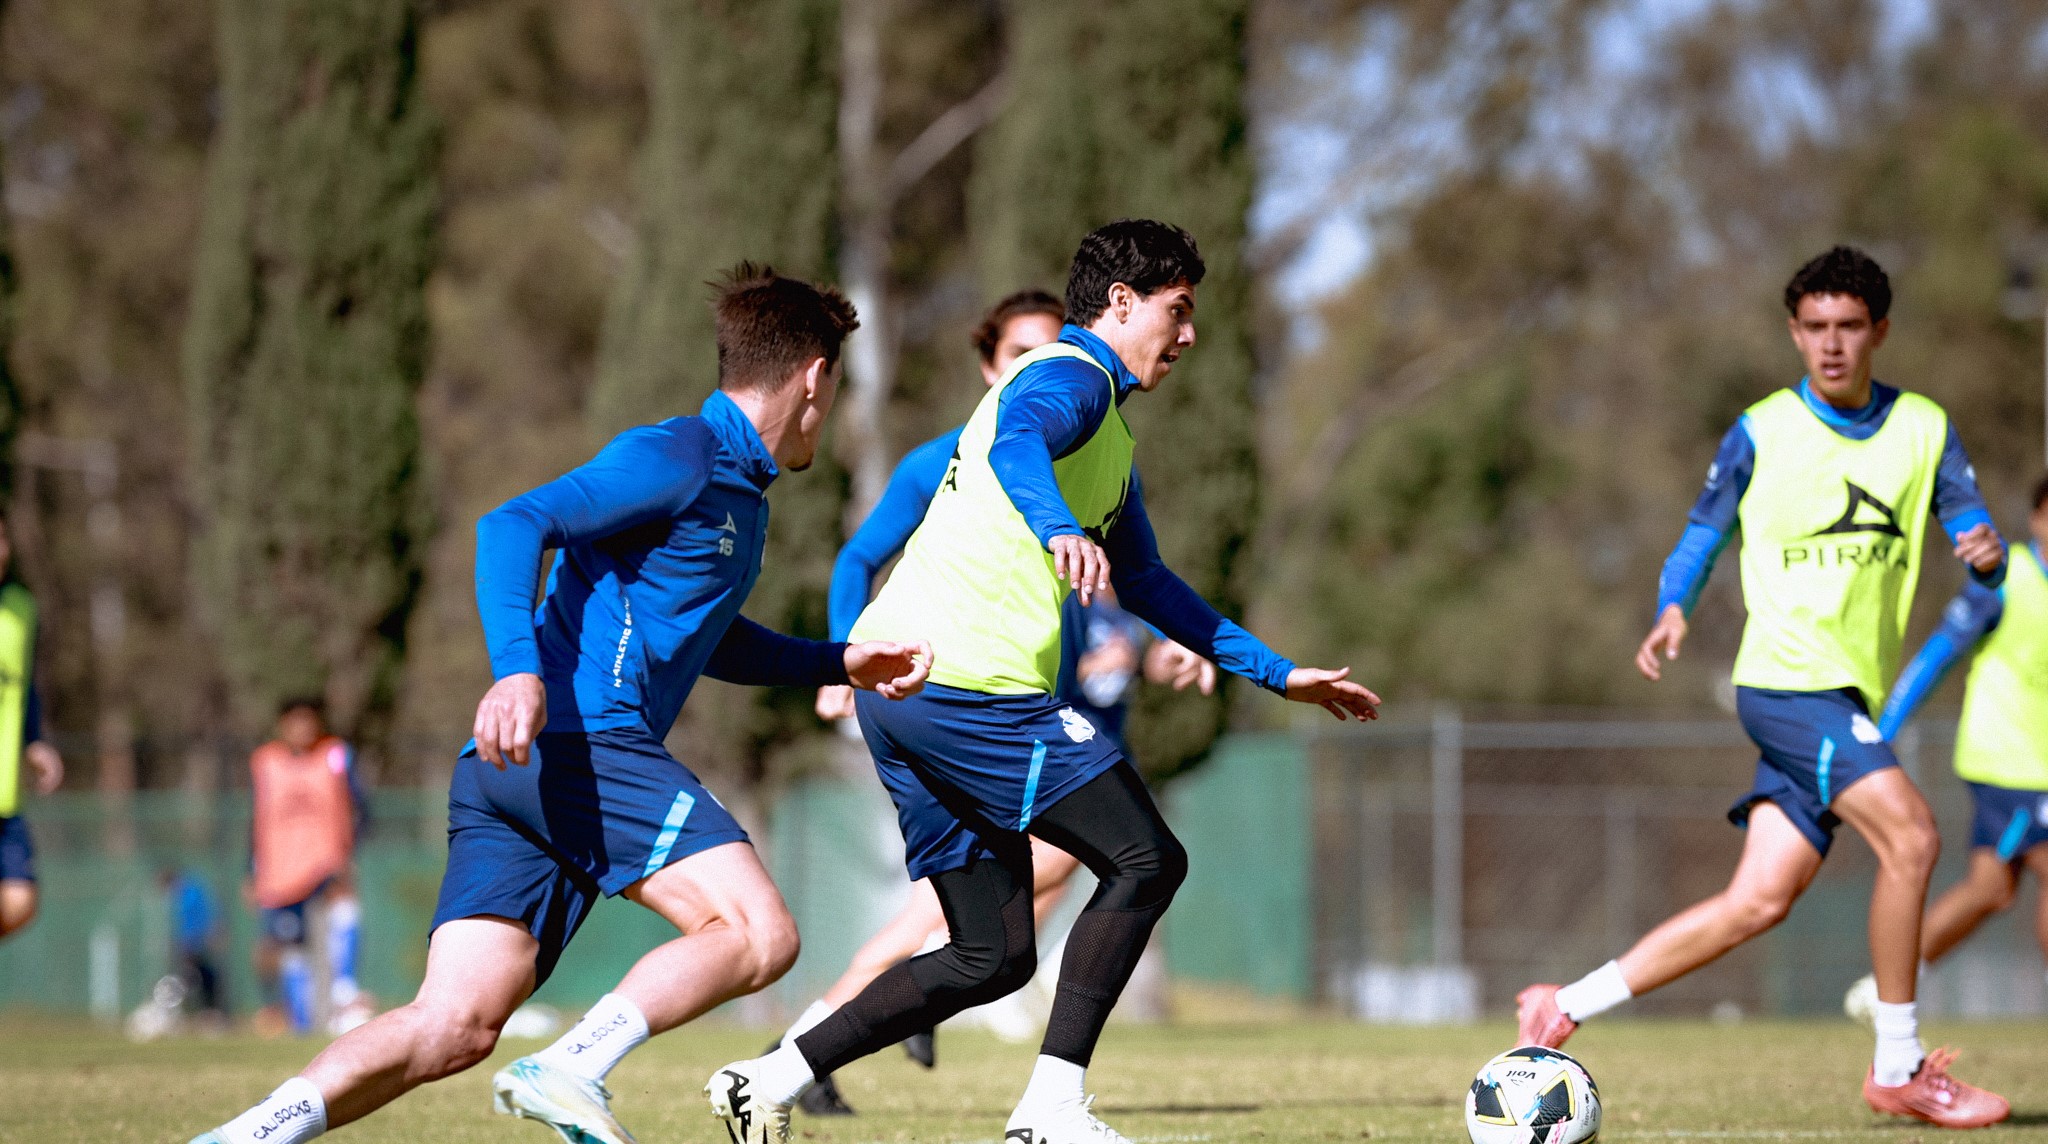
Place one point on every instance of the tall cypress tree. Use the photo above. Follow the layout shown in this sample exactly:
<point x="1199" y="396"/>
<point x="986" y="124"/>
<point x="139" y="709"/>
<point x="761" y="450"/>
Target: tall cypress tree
<point x="1136" y="109"/>
<point x="306" y="344"/>
<point x="738" y="163"/>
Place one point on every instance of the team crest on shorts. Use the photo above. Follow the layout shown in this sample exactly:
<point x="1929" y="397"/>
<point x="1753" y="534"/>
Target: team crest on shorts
<point x="1077" y="726"/>
<point x="2041" y="811"/>
<point x="1864" y="730"/>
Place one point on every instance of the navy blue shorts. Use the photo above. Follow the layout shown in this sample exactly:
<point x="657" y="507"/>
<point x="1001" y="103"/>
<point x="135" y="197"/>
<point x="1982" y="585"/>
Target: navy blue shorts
<point x="17" y="851"/>
<point x="1814" y="744"/>
<point x="2009" y="821"/>
<point x="968" y="770"/>
<point x="591" y="814"/>
<point x="285" y="925"/>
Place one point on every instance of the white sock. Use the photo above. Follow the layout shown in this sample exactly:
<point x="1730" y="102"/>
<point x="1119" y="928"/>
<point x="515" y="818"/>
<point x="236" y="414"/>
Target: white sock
<point x="293" y="1114"/>
<point x="784" y="1074"/>
<point x="1898" y="1044"/>
<point x="1055" y="1081"/>
<point x="596" y="1044"/>
<point x="1595" y="993"/>
<point x="809" y="1019"/>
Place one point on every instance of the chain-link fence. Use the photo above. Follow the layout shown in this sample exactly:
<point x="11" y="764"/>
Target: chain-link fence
<point x="1457" y="861"/>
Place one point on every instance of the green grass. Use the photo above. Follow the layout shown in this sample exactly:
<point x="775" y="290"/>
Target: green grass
<point x="1303" y="1081"/>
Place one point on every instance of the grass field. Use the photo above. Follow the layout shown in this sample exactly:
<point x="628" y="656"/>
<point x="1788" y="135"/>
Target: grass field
<point x="1258" y="1082"/>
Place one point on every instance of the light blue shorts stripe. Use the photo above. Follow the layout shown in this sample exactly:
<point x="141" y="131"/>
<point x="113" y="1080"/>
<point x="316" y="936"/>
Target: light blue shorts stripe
<point x="671" y="827"/>
<point x="2015" y="835"/>
<point x="1031" y="782"/>
<point x="1827" y="759"/>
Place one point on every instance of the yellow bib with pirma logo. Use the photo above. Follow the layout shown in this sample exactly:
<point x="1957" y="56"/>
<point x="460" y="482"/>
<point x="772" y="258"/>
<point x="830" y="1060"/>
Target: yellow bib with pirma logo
<point x="1831" y="537"/>
<point x="17" y="648"/>
<point x="974" y="580"/>
<point x="2003" y="738"/>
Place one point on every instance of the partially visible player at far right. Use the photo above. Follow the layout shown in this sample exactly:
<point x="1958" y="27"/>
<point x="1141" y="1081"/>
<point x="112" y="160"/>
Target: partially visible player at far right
<point x="2001" y="746"/>
<point x="1831" y="481"/>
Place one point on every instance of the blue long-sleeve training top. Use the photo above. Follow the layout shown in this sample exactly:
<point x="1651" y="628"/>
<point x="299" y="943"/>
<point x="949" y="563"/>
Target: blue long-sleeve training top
<point x="887" y="529"/>
<point x="1046" y="412"/>
<point x="1971" y="616"/>
<point x="1710" y="525"/>
<point x="661" y="536"/>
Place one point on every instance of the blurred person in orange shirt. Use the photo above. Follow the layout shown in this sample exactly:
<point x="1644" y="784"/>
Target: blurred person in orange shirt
<point x="309" y="807"/>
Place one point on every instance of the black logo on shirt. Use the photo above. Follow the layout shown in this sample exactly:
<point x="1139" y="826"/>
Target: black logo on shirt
<point x="1859" y="497"/>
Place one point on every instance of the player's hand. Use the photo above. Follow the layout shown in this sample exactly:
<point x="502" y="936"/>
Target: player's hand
<point x="1080" y="562"/>
<point x="48" y="764"/>
<point x="1169" y="662"/>
<point x="1664" y="640"/>
<point x="1981" y="548"/>
<point x="890" y="670"/>
<point x="512" y="712"/>
<point x="1336" y="694"/>
<point x="835" y="702"/>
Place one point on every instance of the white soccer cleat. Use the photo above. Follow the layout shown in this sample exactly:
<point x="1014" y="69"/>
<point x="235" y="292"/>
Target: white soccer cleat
<point x="734" y="1092"/>
<point x="207" y="1138"/>
<point x="1070" y="1122"/>
<point x="1860" y="1003"/>
<point x="579" y="1109"/>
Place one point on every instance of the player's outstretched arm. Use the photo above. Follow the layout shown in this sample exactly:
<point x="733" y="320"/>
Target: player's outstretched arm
<point x="1333" y="692"/>
<point x="890" y="669"/>
<point x="512" y="712"/>
<point x="1663" y="641"/>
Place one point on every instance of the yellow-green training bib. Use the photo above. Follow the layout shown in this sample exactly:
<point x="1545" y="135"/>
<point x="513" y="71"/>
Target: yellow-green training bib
<point x="974" y="579"/>
<point x="17" y="644"/>
<point x="1831" y="537"/>
<point x="2003" y="739"/>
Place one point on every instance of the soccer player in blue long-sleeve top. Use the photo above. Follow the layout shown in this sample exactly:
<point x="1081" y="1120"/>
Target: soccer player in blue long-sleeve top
<point x="1039" y="500"/>
<point x="2001" y="744"/>
<point x="1832" y="481"/>
<point x="566" y="793"/>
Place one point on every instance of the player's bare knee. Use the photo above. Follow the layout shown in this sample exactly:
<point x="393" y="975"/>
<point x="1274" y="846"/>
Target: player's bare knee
<point x="453" y="1038"/>
<point x="772" y="947"/>
<point x="1759" y="910"/>
<point x="1912" y="849"/>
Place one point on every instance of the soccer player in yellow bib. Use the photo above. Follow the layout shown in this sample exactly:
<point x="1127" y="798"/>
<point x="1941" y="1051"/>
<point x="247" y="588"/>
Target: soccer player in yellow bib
<point x="21" y="742"/>
<point x="1039" y="500"/>
<point x="1831" y="481"/>
<point x="2001" y="746"/>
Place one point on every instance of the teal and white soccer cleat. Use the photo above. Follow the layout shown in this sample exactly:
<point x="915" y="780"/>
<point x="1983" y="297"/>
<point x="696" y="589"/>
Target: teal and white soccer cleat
<point x="579" y="1109"/>
<point x="211" y="1137"/>
<point x="748" y="1119"/>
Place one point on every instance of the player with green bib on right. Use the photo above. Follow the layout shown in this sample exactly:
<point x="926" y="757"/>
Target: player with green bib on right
<point x="2001" y="746"/>
<point x="1831" y="481"/>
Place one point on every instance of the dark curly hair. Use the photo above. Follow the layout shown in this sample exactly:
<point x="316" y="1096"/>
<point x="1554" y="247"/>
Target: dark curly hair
<point x="989" y="333"/>
<point x="1145" y="255"/>
<point x="1842" y="270"/>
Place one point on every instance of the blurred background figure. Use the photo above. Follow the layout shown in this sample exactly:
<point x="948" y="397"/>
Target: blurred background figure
<point x="195" y="942"/>
<point x="21" y="741"/>
<point x="309" y="808"/>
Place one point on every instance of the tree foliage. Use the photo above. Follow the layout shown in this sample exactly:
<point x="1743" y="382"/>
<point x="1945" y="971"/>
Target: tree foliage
<point x="306" y="343"/>
<point x="1137" y="110"/>
<point x="737" y="164"/>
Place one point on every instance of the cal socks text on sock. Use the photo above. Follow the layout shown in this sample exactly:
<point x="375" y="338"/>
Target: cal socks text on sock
<point x="293" y="1114"/>
<point x="1595" y="993"/>
<point x="597" y="1043"/>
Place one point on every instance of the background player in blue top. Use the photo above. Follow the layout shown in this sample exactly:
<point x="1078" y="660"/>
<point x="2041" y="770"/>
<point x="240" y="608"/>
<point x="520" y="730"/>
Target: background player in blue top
<point x="2001" y="746"/>
<point x="566" y="793"/>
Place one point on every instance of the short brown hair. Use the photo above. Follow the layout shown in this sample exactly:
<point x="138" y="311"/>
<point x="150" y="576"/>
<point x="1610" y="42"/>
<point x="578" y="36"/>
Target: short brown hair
<point x="770" y="325"/>
<point x="989" y="333"/>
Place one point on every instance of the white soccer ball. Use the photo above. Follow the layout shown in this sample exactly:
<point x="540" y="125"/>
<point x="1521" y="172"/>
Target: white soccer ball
<point x="1533" y="1095"/>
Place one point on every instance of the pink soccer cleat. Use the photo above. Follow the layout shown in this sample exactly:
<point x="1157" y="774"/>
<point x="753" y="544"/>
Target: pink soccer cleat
<point x="1938" y="1098"/>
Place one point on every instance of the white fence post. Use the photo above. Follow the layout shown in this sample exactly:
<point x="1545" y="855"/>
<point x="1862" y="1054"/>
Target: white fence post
<point x="1447" y="835"/>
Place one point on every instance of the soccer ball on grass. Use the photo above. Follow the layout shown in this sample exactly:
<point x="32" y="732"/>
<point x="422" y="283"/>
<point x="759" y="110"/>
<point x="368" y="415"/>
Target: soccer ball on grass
<point x="1533" y="1095"/>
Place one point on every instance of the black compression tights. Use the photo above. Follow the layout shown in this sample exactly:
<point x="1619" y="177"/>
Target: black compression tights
<point x="1112" y="825"/>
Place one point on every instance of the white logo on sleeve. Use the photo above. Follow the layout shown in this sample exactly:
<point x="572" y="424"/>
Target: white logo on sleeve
<point x="1077" y="726"/>
<point x="725" y="542"/>
<point x="1864" y="730"/>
